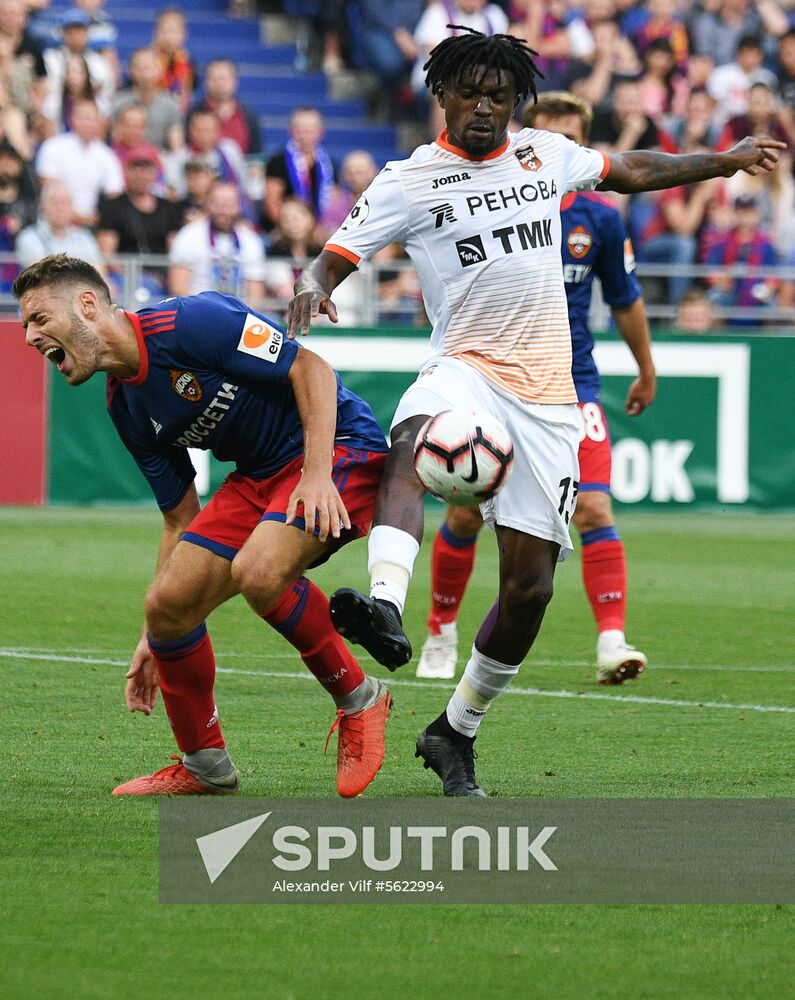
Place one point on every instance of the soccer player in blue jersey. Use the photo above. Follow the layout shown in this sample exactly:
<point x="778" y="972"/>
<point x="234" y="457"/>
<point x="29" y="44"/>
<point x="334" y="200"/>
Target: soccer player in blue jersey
<point x="594" y="244"/>
<point x="206" y="371"/>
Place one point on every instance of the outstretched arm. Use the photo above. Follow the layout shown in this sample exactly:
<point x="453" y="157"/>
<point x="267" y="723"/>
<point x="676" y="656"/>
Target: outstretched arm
<point x="313" y="291"/>
<point x="644" y="170"/>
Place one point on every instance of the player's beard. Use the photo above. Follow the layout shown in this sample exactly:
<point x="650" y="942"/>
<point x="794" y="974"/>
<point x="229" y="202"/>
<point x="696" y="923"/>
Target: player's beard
<point x="83" y="352"/>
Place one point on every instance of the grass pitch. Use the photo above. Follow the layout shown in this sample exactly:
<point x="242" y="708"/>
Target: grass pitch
<point x="710" y="603"/>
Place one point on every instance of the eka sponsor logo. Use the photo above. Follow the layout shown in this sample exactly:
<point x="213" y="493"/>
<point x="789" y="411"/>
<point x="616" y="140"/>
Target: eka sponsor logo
<point x="260" y="339"/>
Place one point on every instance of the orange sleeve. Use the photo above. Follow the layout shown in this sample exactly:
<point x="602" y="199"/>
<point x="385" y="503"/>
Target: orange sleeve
<point x="349" y="255"/>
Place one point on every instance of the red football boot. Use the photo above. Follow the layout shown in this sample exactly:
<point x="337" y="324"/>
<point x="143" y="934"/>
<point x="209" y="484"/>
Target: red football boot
<point x="175" y="779"/>
<point x="360" y="745"/>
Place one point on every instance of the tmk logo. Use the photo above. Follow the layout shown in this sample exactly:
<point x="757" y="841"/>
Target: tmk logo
<point x="452" y="179"/>
<point x="470" y="251"/>
<point x="443" y="213"/>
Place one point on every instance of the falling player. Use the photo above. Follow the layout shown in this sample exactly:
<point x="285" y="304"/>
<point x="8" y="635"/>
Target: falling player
<point x="207" y="372"/>
<point x="478" y="211"/>
<point x="594" y="244"/>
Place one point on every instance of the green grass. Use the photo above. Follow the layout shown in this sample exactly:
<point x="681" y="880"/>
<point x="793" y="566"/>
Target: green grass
<point x="711" y="599"/>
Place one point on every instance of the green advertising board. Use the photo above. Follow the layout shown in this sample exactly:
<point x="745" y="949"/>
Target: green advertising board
<point x="719" y="433"/>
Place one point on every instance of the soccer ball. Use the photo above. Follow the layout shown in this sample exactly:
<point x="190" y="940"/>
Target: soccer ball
<point x="463" y="456"/>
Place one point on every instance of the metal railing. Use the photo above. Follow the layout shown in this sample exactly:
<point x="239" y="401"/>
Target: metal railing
<point x="361" y="300"/>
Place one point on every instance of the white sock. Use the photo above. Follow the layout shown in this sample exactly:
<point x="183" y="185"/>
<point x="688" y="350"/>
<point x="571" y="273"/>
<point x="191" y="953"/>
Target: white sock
<point x="448" y="628"/>
<point x="609" y="639"/>
<point x="390" y="560"/>
<point x="483" y="680"/>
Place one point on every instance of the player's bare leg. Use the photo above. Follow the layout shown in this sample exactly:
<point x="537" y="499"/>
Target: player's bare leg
<point x="527" y="568"/>
<point x="375" y="622"/>
<point x="268" y="571"/>
<point x="605" y="580"/>
<point x="452" y="561"/>
<point x="190" y="586"/>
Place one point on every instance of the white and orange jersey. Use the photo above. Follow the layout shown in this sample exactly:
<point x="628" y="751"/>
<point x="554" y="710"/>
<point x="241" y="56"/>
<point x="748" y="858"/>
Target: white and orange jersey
<point x="484" y="235"/>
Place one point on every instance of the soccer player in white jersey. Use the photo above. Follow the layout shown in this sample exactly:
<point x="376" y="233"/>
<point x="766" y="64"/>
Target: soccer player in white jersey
<point x="478" y="211"/>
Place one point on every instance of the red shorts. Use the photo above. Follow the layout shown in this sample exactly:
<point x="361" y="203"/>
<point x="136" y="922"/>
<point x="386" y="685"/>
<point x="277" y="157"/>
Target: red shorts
<point x="594" y="451"/>
<point x="240" y="503"/>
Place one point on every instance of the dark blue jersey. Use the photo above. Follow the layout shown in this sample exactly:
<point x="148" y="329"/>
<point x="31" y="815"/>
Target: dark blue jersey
<point x="213" y="375"/>
<point x="595" y="244"/>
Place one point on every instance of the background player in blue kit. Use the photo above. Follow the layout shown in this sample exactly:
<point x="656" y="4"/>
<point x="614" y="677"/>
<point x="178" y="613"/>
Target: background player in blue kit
<point x="207" y="372"/>
<point x="594" y="244"/>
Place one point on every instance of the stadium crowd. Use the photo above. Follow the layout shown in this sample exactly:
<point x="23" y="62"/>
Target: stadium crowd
<point x="158" y="156"/>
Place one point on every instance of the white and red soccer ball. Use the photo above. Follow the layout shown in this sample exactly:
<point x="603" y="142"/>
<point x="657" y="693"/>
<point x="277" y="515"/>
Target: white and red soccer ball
<point x="463" y="456"/>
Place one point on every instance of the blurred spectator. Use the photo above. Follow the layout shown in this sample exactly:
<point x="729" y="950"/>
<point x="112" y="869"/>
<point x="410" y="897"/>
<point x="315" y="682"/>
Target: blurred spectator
<point x="17" y="207"/>
<point x="102" y="32"/>
<point x="302" y="168"/>
<point x="13" y="125"/>
<point x="13" y="22"/>
<point x="177" y="72"/>
<point x="695" y="313"/>
<point x="386" y="38"/>
<point x="54" y="232"/>
<point x="761" y="118"/>
<point x="663" y="89"/>
<point x="199" y="177"/>
<point x="626" y="125"/>
<point x="399" y="293"/>
<point x="660" y="21"/>
<point x="786" y="71"/>
<point x="219" y="252"/>
<point x="128" y="132"/>
<point x="163" y="115"/>
<point x="238" y="122"/>
<point x="669" y="235"/>
<point x="75" y="23"/>
<point x="717" y="32"/>
<point x="357" y="171"/>
<point x="776" y="20"/>
<point x="16" y="73"/>
<point x="774" y="194"/>
<point x="75" y="86"/>
<point x="730" y="82"/>
<point x="204" y="140"/>
<point x="82" y="161"/>
<point x="432" y="29"/>
<point x="696" y="127"/>
<point x="560" y="33"/>
<point x="745" y="244"/>
<point x="138" y="222"/>
<point x="699" y="70"/>
<point x="614" y="59"/>
<point x="294" y="241"/>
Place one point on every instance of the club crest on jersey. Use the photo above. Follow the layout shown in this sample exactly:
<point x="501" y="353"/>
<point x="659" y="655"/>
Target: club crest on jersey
<point x="526" y="156"/>
<point x="579" y="242"/>
<point x="357" y="214"/>
<point x="186" y="384"/>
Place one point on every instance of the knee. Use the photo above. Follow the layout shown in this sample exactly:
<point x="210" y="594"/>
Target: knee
<point x="261" y="585"/>
<point x="524" y="601"/>
<point x="166" y="617"/>
<point x="464" y="521"/>
<point x="593" y="511"/>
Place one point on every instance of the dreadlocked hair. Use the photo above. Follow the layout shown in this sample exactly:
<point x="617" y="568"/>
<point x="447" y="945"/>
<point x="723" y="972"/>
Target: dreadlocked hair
<point x="461" y="55"/>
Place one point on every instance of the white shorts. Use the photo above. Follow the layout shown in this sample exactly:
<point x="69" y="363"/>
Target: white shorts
<point x="541" y="491"/>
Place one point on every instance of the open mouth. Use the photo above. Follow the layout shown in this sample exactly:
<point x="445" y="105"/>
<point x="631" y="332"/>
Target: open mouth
<point x="55" y="354"/>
